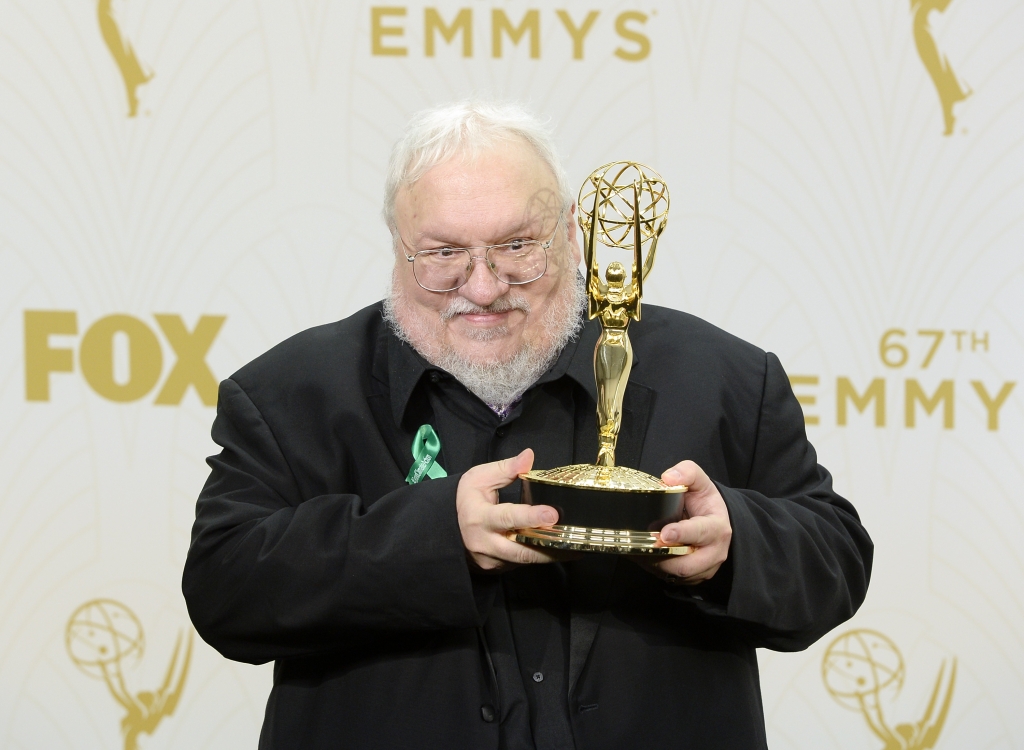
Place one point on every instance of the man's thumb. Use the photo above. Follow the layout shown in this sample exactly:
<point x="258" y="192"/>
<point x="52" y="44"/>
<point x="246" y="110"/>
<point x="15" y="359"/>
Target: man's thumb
<point x="511" y="468"/>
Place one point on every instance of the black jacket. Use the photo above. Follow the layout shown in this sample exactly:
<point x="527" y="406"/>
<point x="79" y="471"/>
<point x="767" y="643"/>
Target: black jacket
<point x="310" y="549"/>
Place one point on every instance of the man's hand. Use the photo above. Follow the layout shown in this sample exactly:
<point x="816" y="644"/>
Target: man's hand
<point x="705" y="525"/>
<point x="485" y="522"/>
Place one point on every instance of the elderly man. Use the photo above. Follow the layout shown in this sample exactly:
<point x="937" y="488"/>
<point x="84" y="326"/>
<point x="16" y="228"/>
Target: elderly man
<point x="397" y="610"/>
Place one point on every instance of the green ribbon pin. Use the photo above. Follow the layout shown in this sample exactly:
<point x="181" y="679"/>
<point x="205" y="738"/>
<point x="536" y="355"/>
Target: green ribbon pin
<point x="425" y="447"/>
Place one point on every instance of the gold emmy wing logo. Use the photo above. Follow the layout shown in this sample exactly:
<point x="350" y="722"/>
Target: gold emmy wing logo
<point x="863" y="670"/>
<point x="945" y="80"/>
<point x="121" y="49"/>
<point x="101" y="637"/>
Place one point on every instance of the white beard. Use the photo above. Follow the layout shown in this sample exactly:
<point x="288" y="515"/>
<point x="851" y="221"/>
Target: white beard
<point x="498" y="383"/>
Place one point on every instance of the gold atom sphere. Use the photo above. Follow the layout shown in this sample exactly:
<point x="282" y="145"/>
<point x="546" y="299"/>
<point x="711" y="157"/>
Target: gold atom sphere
<point x="101" y="634"/>
<point x="859" y="665"/>
<point x="612" y="185"/>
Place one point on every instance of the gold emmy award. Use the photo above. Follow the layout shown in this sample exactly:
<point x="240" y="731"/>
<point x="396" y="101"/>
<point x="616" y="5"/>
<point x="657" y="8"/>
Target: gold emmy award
<point x="603" y="507"/>
<point x="133" y="72"/>
<point x="100" y="637"/>
<point x="863" y="669"/>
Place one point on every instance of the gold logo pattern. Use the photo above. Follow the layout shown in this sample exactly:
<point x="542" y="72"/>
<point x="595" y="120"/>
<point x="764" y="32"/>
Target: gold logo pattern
<point x="132" y="71"/>
<point x="863" y="668"/>
<point x="145" y="360"/>
<point x="101" y="636"/>
<point x="938" y="67"/>
<point x="388" y="37"/>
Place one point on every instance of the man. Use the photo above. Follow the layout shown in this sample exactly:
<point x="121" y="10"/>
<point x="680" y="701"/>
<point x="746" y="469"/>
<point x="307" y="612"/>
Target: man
<point x="398" y="611"/>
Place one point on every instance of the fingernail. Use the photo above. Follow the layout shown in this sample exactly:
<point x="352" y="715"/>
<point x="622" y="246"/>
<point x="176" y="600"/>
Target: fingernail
<point x="669" y="535"/>
<point x="548" y="516"/>
<point x="672" y="477"/>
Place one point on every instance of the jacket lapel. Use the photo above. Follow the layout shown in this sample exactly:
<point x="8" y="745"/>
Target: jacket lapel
<point x="398" y="440"/>
<point x="396" y="372"/>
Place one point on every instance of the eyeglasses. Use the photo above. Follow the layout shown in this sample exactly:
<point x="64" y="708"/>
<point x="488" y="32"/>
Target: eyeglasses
<point x="446" y="269"/>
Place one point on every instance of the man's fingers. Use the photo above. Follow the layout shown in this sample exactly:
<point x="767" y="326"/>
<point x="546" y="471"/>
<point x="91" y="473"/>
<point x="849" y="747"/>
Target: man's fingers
<point x="687" y="473"/>
<point x="510" y="516"/>
<point x="523" y="554"/>
<point x="512" y="467"/>
<point x="706" y="526"/>
<point x="698" y="531"/>
<point x="698" y="566"/>
<point x="485" y="523"/>
<point x="502" y="473"/>
<point x="710" y="535"/>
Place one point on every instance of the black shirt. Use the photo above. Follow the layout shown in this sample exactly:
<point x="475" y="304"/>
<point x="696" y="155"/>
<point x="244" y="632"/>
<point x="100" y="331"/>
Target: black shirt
<point x="527" y="631"/>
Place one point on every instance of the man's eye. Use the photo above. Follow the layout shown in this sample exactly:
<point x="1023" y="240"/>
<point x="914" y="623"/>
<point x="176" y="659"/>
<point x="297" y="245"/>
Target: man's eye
<point x="445" y="253"/>
<point x="517" y="245"/>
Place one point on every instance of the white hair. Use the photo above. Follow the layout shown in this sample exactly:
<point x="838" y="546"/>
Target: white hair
<point x="435" y="135"/>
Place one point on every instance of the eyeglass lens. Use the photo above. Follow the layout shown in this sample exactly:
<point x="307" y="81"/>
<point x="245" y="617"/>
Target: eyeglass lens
<point x="449" y="268"/>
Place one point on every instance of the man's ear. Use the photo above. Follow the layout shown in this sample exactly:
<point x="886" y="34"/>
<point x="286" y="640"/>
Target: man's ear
<point x="396" y="246"/>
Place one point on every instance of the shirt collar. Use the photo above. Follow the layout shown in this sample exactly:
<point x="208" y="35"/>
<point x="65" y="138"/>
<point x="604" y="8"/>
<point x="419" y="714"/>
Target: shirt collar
<point x="406" y="367"/>
<point x="576" y="360"/>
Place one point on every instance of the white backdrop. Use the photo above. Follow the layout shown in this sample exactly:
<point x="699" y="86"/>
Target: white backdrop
<point x="819" y="210"/>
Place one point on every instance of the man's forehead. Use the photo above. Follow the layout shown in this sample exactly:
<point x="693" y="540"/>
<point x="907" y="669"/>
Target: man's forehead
<point x="510" y="169"/>
<point x="508" y="189"/>
<point x="468" y="228"/>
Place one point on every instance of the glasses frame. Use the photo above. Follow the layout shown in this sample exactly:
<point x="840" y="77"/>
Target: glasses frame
<point x="544" y="247"/>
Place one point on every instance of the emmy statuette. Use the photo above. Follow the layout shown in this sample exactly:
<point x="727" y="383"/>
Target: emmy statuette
<point x="603" y="507"/>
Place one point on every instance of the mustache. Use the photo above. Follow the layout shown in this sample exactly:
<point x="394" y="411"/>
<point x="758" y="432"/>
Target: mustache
<point x="507" y="303"/>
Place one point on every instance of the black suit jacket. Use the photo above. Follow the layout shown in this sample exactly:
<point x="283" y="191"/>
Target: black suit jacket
<point x="310" y="549"/>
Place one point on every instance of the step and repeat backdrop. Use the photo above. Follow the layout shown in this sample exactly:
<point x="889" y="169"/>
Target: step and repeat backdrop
<point x="184" y="183"/>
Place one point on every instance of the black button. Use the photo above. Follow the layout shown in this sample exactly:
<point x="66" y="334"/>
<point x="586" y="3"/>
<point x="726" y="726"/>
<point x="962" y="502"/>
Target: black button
<point x="434" y="377"/>
<point x="538" y="677"/>
<point x="487" y="712"/>
<point x="501" y="432"/>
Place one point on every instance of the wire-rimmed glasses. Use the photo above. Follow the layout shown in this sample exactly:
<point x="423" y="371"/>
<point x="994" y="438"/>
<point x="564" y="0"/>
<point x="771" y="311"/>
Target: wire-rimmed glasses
<point x="445" y="269"/>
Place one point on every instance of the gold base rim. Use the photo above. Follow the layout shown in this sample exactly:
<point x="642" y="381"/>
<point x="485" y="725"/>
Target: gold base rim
<point x="619" y="479"/>
<point x="580" y="539"/>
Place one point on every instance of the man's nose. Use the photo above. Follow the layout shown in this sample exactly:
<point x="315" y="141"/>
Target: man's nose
<point x="483" y="287"/>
